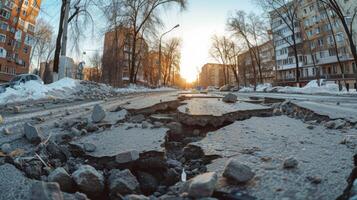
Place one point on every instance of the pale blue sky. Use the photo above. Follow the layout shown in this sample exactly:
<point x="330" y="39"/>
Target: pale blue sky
<point x="198" y="24"/>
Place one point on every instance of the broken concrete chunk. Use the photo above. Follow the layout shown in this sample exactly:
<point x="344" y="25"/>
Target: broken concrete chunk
<point x="290" y="162"/>
<point x="158" y="125"/>
<point x="136" y="197"/>
<point x="122" y="183"/>
<point x="61" y="177"/>
<point x="230" y="98"/>
<point x="148" y="183"/>
<point x="89" y="180"/>
<point x="98" y="113"/>
<point x="203" y="185"/>
<point x="137" y="118"/>
<point x="127" y="156"/>
<point x="16" y="185"/>
<point x="32" y="134"/>
<point x="46" y="191"/>
<point x="6" y="148"/>
<point x="175" y="127"/>
<point x="238" y="172"/>
<point x="89" y="147"/>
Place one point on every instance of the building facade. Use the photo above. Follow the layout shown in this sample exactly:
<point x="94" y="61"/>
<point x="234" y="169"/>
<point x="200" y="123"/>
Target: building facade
<point x="17" y="27"/>
<point x="213" y="74"/>
<point x="266" y="61"/>
<point x="322" y="46"/>
<point x="117" y="57"/>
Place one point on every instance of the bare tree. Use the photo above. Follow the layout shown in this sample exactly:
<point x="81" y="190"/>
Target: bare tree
<point x="79" y="17"/>
<point x="143" y="14"/>
<point x="346" y="16"/>
<point x="257" y="30"/>
<point x="96" y="61"/>
<point x="226" y="52"/>
<point x="172" y="55"/>
<point x="43" y="41"/>
<point x="287" y="12"/>
<point x="242" y="29"/>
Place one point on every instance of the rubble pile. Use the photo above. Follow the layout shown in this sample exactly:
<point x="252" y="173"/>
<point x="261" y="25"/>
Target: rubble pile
<point x="141" y="153"/>
<point x="94" y="90"/>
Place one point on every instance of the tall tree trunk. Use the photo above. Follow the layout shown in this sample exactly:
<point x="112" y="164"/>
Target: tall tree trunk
<point x="133" y="59"/>
<point x="59" y="37"/>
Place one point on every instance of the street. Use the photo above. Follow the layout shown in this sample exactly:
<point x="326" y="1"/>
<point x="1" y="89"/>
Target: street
<point x="303" y="147"/>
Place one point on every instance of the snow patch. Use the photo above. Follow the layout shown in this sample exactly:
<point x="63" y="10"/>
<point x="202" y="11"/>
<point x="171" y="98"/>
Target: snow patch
<point x="311" y="88"/>
<point x="66" y="88"/>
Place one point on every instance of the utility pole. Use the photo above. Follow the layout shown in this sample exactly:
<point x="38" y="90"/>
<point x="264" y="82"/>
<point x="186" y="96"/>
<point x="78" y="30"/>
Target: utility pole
<point x="65" y="29"/>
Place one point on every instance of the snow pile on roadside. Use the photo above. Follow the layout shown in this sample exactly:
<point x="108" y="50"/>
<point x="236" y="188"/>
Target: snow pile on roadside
<point x="68" y="88"/>
<point x="311" y="88"/>
<point x="33" y="90"/>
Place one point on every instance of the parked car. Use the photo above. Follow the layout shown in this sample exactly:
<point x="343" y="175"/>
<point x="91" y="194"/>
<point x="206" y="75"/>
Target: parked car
<point x="23" y="78"/>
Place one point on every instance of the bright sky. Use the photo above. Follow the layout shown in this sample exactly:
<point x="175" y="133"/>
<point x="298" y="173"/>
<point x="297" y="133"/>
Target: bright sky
<point x="198" y="24"/>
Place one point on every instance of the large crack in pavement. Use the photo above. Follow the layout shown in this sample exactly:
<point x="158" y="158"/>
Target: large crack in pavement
<point x="258" y="148"/>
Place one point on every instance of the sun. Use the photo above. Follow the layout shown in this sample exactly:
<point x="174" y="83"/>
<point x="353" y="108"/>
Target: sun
<point x="189" y="75"/>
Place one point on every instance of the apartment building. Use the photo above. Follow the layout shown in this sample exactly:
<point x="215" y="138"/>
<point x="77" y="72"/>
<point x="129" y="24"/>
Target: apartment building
<point x="213" y="74"/>
<point x="17" y="27"/>
<point x="117" y="56"/>
<point x="267" y="63"/>
<point x="322" y="46"/>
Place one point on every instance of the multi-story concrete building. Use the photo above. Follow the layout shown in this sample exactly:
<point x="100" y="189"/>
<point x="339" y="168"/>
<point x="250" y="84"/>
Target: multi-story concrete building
<point x="117" y="56"/>
<point x="323" y="47"/>
<point x="267" y="63"/>
<point x="212" y="74"/>
<point x="17" y="27"/>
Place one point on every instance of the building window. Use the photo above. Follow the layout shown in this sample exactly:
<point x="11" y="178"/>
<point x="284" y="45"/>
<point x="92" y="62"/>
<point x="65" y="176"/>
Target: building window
<point x="31" y="27"/>
<point x="29" y="40"/>
<point x="2" y="38"/>
<point x="3" y="26"/>
<point x="26" y="49"/>
<point x="22" y="22"/>
<point x="4" y="13"/>
<point x="2" y="52"/>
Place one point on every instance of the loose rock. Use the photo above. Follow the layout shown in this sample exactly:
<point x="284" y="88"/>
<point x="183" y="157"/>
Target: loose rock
<point x="32" y="134"/>
<point x="290" y="162"/>
<point x="148" y="183"/>
<point x="89" y="180"/>
<point x="238" y="172"/>
<point x="230" y="98"/>
<point x="46" y="191"/>
<point x="330" y="124"/>
<point x="203" y="185"/>
<point x="6" y="148"/>
<point x="175" y="127"/>
<point x="6" y="131"/>
<point x="136" y="197"/>
<point x="122" y="183"/>
<point x="145" y="124"/>
<point x="1" y="119"/>
<point x="98" y="113"/>
<point x="61" y="177"/>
